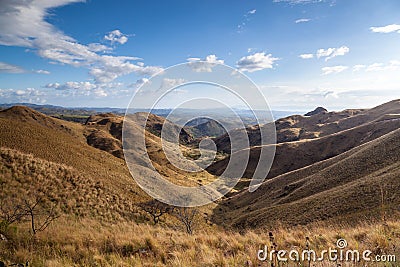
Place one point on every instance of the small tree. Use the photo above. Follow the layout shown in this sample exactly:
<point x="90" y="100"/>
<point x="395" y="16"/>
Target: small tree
<point x="155" y="209"/>
<point x="186" y="216"/>
<point x="39" y="215"/>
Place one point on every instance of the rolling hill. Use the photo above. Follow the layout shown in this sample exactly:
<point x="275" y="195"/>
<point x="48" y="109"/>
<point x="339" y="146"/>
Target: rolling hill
<point x="360" y="184"/>
<point x="82" y="163"/>
<point x="299" y="127"/>
<point x="349" y="172"/>
<point x="290" y="156"/>
<point x="328" y="134"/>
<point x="206" y="128"/>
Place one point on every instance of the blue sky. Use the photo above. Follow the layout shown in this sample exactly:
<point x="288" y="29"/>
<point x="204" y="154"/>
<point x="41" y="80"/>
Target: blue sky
<point x="301" y="53"/>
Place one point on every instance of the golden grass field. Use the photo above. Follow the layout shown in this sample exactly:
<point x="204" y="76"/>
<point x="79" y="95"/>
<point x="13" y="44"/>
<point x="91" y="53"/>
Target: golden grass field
<point x="87" y="242"/>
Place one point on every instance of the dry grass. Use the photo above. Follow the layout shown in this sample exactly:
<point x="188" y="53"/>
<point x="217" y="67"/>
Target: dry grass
<point x="104" y="131"/>
<point x="24" y="176"/>
<point x="345" y="187"/>
<point x="85" y="242"/>
<point x="294" y="155"/>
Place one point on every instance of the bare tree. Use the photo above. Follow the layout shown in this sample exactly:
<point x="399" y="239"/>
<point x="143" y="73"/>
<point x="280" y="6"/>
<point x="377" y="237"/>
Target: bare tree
<point x="15" y="207"/>
<point x="39" y="215"/>
<point x="186" y="216"/>
<point x="155" y="209"/>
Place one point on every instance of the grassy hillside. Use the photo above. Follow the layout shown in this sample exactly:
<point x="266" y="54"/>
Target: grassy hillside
<point x="358" y="184"/>
<point x="298" y="127"/>
<point x="291" y="156"/>
<point x="24" y="176"/>
<point x="50" y="142"/>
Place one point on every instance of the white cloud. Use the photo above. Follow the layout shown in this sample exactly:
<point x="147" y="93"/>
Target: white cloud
<point x="204" y="65"/>
<point x="114" y="67"/>
<point x="332" y="52"/>
<point x="20" y="92"/>
<point x="23" y="23"/>
<point x="246" y="18"/>
<point x="256" y="62"/>
<point x="358" y="67"/>
<point x="169" y="83"/>
<point x="73" y="86"/>
<point x="116" y="36"/>
<point x="306" y="56"/>
<point x="9" y="68"/>
<point x="29" y="95"/>
<point x="96" y="47"/>
<point x="334" y="69"/>
<point x="301" y="20"/>
<point x="42" y="72"/>
<point x="100" y="93"/>
<point x="86" y="88"/>
<point x="386" y="29"/>
<point x="393" y="65"/>
<point x="375" y="67"/>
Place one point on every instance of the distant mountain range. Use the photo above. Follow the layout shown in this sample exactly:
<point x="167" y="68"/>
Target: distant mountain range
<point x="183" y="113"/>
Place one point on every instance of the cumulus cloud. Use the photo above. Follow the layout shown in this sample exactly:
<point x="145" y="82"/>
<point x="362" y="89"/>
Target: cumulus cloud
<point x="116" y="36"/>
<point x="334" y="69"/>
<point x="386" y="29"/>
<point x="306" y="56"/>
<point x="204" y="65"/>
<point x="256" y="62"/>
<point x="23" y="23"/>
<point x="301" y="20"/>
<point x="332" y="52"/>
<point x="9" y="68"/>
